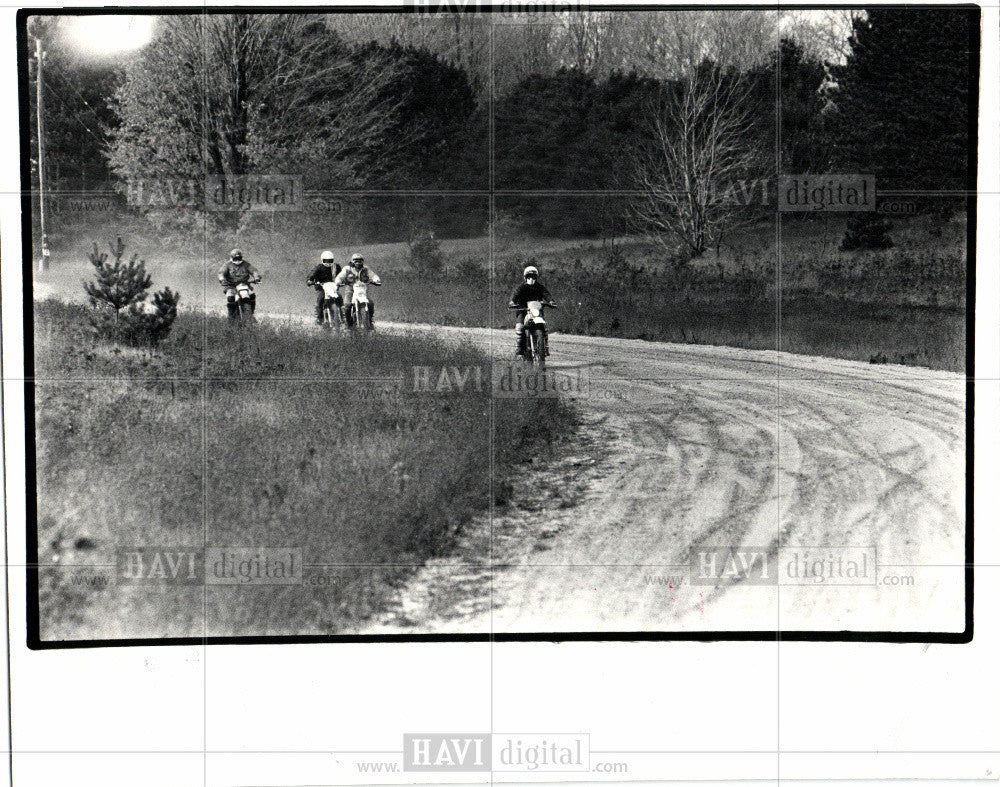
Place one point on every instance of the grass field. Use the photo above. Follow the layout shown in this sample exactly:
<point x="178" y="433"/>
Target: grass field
<point x="268" y="437"/>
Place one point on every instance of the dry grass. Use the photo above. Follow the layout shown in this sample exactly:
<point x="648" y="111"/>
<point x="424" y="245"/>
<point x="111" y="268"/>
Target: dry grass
<point x="256" y="438"/>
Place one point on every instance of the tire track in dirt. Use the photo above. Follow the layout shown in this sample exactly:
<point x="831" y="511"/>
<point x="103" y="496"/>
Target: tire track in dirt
<point x="704" y="446"/>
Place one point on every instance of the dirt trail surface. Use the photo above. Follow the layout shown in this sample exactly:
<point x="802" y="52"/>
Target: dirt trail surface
<point x="689" y="448"/>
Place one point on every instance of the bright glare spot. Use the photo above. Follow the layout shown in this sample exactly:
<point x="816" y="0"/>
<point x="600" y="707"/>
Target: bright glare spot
<point x="107" y="35"/>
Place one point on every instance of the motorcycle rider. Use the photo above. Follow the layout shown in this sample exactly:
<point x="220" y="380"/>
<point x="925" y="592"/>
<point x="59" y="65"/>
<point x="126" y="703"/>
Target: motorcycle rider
<point x="358" y="271"/>
<point x="531" y="289"/>
<point x="325" y="272"/>
<point x="237" y="271"/>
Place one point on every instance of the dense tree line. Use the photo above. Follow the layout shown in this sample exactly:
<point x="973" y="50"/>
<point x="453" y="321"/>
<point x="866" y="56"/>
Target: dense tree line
<point x="386" y="102"/>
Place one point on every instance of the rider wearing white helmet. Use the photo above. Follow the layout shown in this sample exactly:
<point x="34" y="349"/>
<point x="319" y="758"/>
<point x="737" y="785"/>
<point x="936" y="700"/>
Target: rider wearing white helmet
<point x="356" y="271"/>
<point x="237" y="271"/>
<point x="326" y="271"/>
<point x="531" y="289"/>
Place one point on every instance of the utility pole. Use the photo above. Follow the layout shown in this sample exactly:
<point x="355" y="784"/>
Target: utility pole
<point x="43" y="263"/>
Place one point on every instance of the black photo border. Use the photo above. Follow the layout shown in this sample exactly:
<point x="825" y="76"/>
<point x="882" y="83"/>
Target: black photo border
<point x="34" y="641"/>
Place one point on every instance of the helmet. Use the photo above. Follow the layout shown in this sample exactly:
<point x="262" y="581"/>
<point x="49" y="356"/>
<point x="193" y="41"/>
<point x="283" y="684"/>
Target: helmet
<point x="531" y="270"/>
<point x="357" y="260"/>
<point x="236" y="255"/>
<point x="327" y="257"/>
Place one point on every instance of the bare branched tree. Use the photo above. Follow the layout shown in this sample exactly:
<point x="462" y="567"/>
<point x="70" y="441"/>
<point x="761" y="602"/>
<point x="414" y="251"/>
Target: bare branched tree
<point x="523" y="44"/>
<point x="670" y="44"/>
<point x="702" y="153"/>
<point x="823" y="34"/>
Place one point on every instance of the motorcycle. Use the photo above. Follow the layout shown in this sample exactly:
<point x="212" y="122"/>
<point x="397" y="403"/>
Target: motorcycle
<point x="243" y="311"/>
<point x="333" y="312"/>
<point x="360" y="309"/>
<point x="536" y="333"/>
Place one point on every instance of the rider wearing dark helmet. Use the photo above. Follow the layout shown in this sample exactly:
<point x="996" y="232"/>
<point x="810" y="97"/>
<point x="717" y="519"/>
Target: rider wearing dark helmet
<point x="531" y="289"/>
<point x="237" y="271"/>
<point x="325" y="272"/>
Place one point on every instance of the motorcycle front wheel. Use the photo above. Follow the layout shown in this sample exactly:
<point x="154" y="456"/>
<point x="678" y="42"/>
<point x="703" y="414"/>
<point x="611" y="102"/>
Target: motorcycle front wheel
<point x="540" y="346"/>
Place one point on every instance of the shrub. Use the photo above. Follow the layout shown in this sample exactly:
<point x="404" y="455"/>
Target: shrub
<point x="468" y="268"/>
<point x="149" y="322"/>
<point x="121" y="311"/>
<point x="866" y="231"/>
<point x="613" y="258"/>
<point x="425" y="253"/>
<point x="509" y="269"/>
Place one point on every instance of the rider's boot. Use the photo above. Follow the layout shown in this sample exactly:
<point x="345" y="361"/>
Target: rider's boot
<point x="519" y="345"/>
<point x="253" y="304"/>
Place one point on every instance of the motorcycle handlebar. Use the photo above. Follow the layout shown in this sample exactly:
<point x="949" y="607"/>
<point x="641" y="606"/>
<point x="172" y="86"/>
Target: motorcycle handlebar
<point x="320" y="284"/>
<point x="525" y="308"/>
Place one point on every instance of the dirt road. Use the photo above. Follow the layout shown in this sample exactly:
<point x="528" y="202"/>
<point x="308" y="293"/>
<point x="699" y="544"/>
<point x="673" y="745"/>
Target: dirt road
<point x="708" y="447"/>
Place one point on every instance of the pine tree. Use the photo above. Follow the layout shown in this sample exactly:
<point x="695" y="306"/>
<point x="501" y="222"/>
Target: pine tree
<point x="903" y="100"/>
<point x="118" y="294"/>
<point x="119" y="284"/>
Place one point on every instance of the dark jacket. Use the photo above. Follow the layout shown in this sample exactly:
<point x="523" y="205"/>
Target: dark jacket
<point x="323" y="273"/>
<point x="231" y="274"/>
<point x="530" y="292"/>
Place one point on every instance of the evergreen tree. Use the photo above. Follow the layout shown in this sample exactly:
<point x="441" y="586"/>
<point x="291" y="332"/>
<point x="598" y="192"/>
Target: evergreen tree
<point x="803" y="137"/>
<point x="433" y="105"/>
<point x="118" y="284"/>
<point x="904" y="101"/>
<point x="118" y="294"/>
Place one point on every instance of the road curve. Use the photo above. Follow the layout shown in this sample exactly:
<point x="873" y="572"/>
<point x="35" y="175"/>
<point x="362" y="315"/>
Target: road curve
<point x="717" y="447"/>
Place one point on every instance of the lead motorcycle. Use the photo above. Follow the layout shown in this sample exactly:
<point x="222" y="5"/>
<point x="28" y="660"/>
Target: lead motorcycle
<point x="333" y="311"/>
<point x="244" y="303"/>
<point x="360" y="309"/>
<point x="536" y="333"/>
